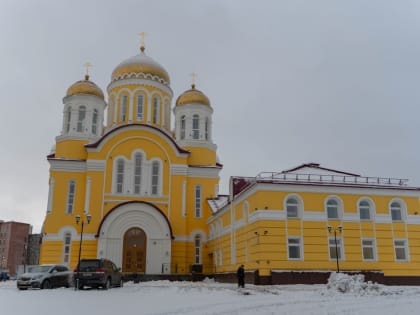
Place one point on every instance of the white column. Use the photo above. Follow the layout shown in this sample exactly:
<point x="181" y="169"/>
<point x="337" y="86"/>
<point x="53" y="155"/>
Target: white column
<point x="50" y="195"/>
<point x="87" y="195"/>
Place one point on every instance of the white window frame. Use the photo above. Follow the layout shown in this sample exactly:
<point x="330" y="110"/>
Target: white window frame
<point x="155" y="186"/>
<point x="372" y="246"/>
<point x="287" y="204"/>
<point x="394" y="209"/>
<point x="198" y="201"/>
<point x="156" y="110"/>
<point x="339" y="208"/>
<point x="68" y="120"/>
<point x="138" y="170"/>
<point x="331" y="248"/>
<point x="71" y="193"/>
<point x="293" y="241"/>
<point x="119" y="175"/>
<point x="140" y="107"/>
<point x="123" y="111"/>
<point x="403" y="246"/>
<point x="197" y="249"/>
<point x="81" y="116"/>
<point x="66" y="248"/>
<point x="365" y="208"/>
<point x="196" y="127"/>
<point x="95" y="121"/>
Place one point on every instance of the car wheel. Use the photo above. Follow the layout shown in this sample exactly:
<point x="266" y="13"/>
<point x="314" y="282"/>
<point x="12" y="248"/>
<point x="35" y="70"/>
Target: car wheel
<point x="107" y="284"/>
<point x="46" y="284"/>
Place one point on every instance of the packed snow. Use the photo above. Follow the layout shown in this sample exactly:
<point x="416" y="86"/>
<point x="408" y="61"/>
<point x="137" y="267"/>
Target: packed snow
<point x="343" y="294"/>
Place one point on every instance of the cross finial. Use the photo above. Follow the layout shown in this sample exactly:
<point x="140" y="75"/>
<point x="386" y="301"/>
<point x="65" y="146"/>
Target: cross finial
<point x="87" y="66"/>
<point x="194" y="76"/>
<point x="142" y="35"/>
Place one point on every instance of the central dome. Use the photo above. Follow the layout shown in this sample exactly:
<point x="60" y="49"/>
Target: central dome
<point x="140" y="66"/>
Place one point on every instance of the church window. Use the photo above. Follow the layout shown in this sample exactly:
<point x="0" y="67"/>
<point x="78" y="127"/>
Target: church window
<point x="138" y="160"/>
<point x="66" y="249"/>
<point x="206" y="128"/>
<point x="120" y="176"/>
<point x="123" y="108"/>
<point x="198" y="201"/>
<point x="364" y="210"/>
<point x="197" y="249"/>
<point x="182" y="127"/>
<point x="156" y="110"/>
<point x="81" y="118"/>
<point x="396" y="211"/>
<point x="68" y="120"/>
<point x="333" y="209"/>
<point x="368" y="249"/>
<point x="94" y="121"/>
<point x="155" y="177"/>
<point x="294" y="248"/>
<point x="401" y="250"/>
<point x="196" y="127"/>
<point x="70" y="197"/>
<point x="335" y="248"/>
<point x="292" y="207"/>
<point x="140" y="100"/>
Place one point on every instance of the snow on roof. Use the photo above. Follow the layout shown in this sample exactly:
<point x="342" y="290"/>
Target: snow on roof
<point x="218" y="203"/>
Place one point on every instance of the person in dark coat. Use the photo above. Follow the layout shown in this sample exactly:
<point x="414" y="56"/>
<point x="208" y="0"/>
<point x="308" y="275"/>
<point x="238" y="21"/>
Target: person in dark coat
<point x="241" y="276"/>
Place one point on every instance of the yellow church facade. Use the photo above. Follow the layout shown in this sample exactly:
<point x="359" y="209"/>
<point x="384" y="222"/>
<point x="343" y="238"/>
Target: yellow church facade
<point x="146" y="194"/>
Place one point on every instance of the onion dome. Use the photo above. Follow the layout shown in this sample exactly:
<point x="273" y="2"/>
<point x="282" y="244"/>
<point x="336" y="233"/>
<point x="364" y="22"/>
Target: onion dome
<point x="85" y="87"/>
<point x="140" y="66"/>
<point x="192" y="96"/>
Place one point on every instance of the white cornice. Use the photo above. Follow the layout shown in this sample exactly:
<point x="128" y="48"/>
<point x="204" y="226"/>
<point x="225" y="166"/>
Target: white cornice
<point x="197" y="143"/>
<point x="67" y="165"/>
<point x="58" y="237"/>
<point x="139" y="81"/>
<point x="179" y="169"/>
<point x="204" y="172"/>
<point x="95" y="165"/>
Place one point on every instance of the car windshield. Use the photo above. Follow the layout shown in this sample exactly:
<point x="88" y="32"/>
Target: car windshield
<point x="39" y="269"/>
<point x="89" y="265"/>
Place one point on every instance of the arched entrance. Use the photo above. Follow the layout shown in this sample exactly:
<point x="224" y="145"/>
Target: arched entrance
<point x="134" y="251"/>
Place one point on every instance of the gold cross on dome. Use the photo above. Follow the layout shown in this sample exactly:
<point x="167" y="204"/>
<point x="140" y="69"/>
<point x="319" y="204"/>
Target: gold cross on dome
<point x="142" y="35"/>
<point x="87" y="66"/>
<point x="194" y="76"/>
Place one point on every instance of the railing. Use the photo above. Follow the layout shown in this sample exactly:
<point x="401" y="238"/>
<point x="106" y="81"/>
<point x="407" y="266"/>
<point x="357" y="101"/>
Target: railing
<point x="319" y="178"/>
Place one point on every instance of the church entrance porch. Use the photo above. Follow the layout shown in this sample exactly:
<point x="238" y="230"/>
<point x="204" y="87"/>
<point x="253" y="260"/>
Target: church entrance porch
<point x="137" y="237"/>
<point x="134" y="252"/>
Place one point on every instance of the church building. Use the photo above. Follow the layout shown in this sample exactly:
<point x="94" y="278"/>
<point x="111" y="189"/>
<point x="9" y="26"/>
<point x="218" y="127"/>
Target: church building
<point x="144" y="194"/>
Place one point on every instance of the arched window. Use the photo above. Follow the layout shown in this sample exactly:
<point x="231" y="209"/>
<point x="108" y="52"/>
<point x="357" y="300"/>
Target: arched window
<point x="81" y="118"/>
<point x="292" y="207"/>
<point x="364" y="210"/>
<point x="120" y="176"/>
<point x="156" y="110"/>
<point x="182" y="127"/>
<point x="198" y="201"/>
<point x="206" y="128"/>
<point x="94" y="121"/>
<point x="140" y="101"/>
<point x="196" y="127"/>
<point x="68" y="120"/>
<point x="332" y="209"/>
<point x="66" y="248"/>
<point x="138" y="161"/>
<point x="155" y="177"/>
<point x="396" y="211"/>
<point x="123" y="115"/>
<point x="70" y="197"/>
<point x="197" y="249"/>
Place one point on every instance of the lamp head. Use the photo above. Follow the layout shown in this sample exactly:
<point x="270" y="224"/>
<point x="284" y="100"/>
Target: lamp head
<point x="88" y="217"/>
<point x="329" y="228"/>
<point x="77" y="219"/>
<point x="340" y="228"/>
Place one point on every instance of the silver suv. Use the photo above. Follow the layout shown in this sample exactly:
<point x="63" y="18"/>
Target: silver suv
<point x="97" y="273"/>
<point x="45" y="277"/>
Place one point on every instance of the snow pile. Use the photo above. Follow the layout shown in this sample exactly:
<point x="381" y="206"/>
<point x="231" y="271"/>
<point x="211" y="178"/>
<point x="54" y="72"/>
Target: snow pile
<point x="355" y="284"/>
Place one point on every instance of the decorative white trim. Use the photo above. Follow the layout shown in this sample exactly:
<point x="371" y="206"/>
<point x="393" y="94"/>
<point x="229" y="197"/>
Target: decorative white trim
<point x="87" y="195"/>
<point x="50" y="195"/>
<point x="67" y="165"/>
<point x="317" y="216"/>
<point x="138" y="81"/>
<point x="383" y="218"/>
<point x="204" y="172"/>
<point x="95" y="165"/>
<point x="179" y="169"/>
<point x="259" y="215"/>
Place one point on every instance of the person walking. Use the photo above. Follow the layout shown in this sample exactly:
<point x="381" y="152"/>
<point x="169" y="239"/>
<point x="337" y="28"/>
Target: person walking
<point x="241" y="276"/>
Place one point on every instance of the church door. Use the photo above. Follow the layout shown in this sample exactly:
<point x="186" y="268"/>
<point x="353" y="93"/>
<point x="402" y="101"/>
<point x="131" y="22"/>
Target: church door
<point x="134" y="252"/>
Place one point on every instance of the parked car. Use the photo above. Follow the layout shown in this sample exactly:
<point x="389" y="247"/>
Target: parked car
<point x="45" y="277"/>
<point x="97" y="273"/>
<point x="4" y="275"/>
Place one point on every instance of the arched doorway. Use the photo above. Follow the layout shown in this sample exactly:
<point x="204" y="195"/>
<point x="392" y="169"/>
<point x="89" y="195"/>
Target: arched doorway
<point x="134" y="251"/>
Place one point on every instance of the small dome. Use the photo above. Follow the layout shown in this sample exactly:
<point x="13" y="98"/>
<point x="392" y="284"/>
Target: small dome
<point x="192" y="96"/>
<point x="140" y="64"/>
<point x="85" y="87"/>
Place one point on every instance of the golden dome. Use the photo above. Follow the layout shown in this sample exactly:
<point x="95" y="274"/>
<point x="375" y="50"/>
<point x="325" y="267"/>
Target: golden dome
<point x="85" y="87"/>
<point x="140" y="65"/>
<point x="192" y="96"/>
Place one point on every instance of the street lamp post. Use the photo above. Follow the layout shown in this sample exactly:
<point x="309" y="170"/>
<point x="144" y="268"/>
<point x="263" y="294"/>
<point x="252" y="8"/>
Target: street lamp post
<point x="339" y="229"/>
<point x="88" y="218"/>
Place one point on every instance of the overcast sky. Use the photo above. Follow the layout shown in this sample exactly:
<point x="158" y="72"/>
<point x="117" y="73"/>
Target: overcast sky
<point x="333" y="82"/>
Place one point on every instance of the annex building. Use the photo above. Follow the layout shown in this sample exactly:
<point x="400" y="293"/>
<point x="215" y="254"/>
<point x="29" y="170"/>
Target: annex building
<point x="146" y="194"/>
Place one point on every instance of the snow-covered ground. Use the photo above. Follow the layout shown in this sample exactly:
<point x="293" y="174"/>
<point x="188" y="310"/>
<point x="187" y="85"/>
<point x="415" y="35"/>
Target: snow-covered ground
<point x="343" y="295"/>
